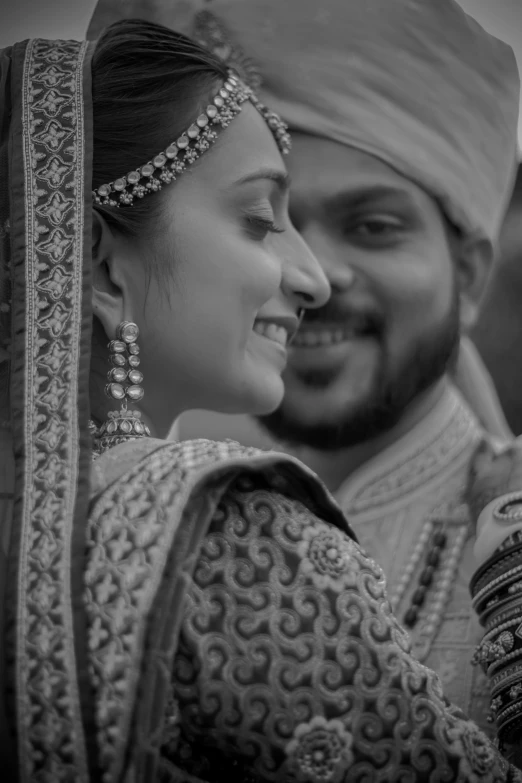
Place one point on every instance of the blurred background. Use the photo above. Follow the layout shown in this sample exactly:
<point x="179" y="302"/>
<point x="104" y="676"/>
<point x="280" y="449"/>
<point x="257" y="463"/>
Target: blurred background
<point x="21" y="19"/>
<point x="499" y="333"/>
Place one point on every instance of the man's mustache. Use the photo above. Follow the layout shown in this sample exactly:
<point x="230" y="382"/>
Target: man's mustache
<point x="342" y="316"/>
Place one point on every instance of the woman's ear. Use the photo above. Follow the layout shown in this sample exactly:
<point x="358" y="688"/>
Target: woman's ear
<point x="107" y="288"/>
<point x="474" y="260"/>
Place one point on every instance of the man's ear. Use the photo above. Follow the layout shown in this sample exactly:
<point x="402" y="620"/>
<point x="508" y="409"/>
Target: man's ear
<point x="473" y="260"/>
<point x="107" y="288"/>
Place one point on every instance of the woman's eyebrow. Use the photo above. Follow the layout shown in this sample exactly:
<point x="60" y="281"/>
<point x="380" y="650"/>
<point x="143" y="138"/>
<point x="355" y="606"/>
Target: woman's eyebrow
<point x="280" y="177"/>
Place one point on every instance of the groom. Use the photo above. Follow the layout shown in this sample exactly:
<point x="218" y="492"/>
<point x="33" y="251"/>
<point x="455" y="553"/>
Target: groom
<point x="404" y="120"/>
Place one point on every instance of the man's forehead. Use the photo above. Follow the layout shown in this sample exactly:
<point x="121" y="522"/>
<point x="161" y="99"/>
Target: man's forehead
<point x="327" y="170"/>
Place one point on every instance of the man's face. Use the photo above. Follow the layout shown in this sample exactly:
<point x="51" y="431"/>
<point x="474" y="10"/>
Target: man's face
<point x="391" y="326"/>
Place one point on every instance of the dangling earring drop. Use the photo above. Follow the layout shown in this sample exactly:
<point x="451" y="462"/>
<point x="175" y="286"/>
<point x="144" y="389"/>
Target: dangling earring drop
<point x="124" y="424"/>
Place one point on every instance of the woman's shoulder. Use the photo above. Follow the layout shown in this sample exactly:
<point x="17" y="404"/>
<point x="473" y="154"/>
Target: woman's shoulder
<point x="152" y="454"/>
<point x="166" y="467"/>
<point x="155" y="457"/>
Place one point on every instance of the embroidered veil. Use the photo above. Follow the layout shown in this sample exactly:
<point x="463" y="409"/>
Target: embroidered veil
<point x="45" y="235"/>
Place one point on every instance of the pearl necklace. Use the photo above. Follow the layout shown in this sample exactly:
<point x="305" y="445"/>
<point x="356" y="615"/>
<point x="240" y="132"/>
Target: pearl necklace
<point x="404" y="582"/>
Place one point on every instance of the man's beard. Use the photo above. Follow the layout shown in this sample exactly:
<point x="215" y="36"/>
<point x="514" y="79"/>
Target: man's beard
<point x="393" y="390"/>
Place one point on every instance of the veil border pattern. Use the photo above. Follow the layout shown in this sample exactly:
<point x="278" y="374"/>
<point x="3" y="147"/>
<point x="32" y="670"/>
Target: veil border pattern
<point x="51" y="279"/>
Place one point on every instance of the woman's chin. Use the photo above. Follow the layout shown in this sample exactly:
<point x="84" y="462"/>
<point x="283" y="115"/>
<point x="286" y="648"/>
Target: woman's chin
<point x="255" y="389"/>
<point x="267" y="394"/>
<point x="266" y="405"/>
<point x="261" y="396"/>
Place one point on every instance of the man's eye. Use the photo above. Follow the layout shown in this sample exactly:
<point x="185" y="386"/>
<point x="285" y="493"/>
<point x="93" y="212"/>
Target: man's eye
<point x="376" y="227"/>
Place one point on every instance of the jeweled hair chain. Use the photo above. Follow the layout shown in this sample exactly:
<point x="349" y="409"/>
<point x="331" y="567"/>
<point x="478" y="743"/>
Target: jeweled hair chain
<point x="167" y="165"/>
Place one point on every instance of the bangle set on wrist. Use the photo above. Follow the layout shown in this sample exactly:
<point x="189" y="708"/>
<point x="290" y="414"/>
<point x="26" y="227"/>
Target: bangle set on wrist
<point x="496" y="590"/>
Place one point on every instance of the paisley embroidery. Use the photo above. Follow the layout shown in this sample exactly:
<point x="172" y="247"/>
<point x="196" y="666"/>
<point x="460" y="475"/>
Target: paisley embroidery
<point x="279" y="677"/>
<point x="50" y="733"/>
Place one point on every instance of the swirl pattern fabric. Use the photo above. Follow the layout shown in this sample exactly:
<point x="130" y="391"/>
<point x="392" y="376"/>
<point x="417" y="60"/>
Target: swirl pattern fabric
<point x="291" y="665"/>
<point x="152" y="506"/>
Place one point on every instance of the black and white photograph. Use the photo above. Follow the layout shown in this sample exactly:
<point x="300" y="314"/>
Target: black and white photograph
<point x="260" y="391"/>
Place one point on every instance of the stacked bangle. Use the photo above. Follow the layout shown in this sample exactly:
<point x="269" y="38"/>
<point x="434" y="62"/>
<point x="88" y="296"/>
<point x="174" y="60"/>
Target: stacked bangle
<point x="496" y="590"/>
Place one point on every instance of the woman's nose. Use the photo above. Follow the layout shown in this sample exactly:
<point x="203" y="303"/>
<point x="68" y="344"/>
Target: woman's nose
<point x="303" y="278"/>
<point x="334" y="262"/>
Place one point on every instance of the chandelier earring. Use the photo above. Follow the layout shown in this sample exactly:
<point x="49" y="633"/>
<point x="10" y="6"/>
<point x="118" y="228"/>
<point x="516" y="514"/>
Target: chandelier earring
<point x="124" y="385"/>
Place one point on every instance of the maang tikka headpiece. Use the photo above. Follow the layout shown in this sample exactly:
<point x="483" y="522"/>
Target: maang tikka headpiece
<point x="167" y="165"/>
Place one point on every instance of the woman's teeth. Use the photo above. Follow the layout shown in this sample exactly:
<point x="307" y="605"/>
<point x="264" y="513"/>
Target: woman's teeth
<point x="272" y="332"/>
<point x="310" y="338"/>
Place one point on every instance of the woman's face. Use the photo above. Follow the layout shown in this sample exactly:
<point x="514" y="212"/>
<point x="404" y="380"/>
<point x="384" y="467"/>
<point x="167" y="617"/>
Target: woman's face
<point x="214" y="326"/>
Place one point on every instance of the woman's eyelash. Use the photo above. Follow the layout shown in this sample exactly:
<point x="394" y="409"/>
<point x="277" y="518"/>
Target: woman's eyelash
<point x="264" y="223"/>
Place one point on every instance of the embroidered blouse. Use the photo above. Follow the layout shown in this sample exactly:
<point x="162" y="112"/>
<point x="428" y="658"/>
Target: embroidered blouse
<point x="291" y="666"/>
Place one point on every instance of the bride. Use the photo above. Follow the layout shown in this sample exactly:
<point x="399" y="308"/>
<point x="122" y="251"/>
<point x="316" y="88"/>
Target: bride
<point x="191" y="611"/>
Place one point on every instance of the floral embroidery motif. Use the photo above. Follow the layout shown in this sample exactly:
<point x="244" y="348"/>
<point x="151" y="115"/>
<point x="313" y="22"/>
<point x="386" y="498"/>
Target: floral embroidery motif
<point x="51" y="77"/>
<point x="479" y="757"/>
<point x="52" y="137"/>
<point x="51" y="437"/>
<point x="55" y="358"/>
<point x="54" y="172"/>
<point x="56" y="323"/>
<point x="52" y="103"/>
<point x="327" y="558"/>
<point x="56" y="284"/>
<point x="56" y="245"/>
<point x="321" y="750"/>
<point x="50" y="728"/>
<point x="55" y="208"/>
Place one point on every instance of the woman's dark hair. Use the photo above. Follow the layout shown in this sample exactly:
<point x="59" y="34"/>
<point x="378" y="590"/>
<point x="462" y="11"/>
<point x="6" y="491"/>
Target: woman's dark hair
<point x="149" y="85"/>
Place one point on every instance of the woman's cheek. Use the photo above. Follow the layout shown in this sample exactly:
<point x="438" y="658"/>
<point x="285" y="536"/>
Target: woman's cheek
<point x="267" y="278"/>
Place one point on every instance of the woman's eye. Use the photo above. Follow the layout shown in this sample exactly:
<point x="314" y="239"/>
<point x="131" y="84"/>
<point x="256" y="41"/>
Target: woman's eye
<point x="261" y="226"/>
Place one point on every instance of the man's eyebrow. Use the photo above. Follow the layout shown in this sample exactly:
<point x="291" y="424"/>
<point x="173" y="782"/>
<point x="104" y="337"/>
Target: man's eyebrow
<point x="281" y="178"/>
<point x="359" y="197"/>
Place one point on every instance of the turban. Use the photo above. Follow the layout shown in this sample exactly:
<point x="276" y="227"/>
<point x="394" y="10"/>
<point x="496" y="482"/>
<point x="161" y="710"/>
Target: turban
<point x="419" y="84"/>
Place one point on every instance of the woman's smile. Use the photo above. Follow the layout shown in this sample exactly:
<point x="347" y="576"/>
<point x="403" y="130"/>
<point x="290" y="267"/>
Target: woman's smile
<point x="271" y="331"/>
